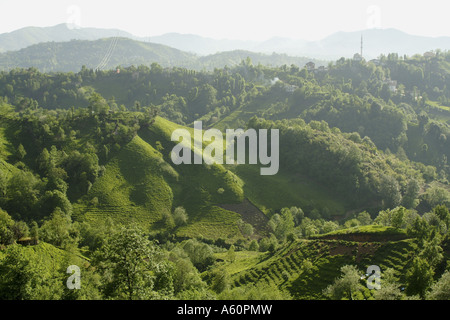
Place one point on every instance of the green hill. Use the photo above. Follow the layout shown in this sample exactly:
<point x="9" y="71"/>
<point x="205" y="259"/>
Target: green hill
<point x="39" y="272"/>
<point x="104" y="53"/>
<point x="141" y="183"/>
<point x="112" y="51"/>
<point x="133" y="187"/>
<point x="306" y="267"/>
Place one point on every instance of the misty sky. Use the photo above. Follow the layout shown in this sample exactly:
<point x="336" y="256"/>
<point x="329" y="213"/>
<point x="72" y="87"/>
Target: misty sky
<point x="233" y="19"/>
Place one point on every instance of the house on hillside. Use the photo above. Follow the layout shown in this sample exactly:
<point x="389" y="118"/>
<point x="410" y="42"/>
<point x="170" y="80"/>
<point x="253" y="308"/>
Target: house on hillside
<point x="322" y="69"/>
<point x="392" y="84"/>
<point x="310" y="66"/>
<point x="28" y="242"/>
<point x="290" y="88"/>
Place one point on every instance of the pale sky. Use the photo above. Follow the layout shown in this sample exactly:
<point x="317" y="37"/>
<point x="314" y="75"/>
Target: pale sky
<point x="233" y="19"/>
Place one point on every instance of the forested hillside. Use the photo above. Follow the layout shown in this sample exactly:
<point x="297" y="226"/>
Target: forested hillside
<point x="86" y="177"/>
<point x="118" y="52"/>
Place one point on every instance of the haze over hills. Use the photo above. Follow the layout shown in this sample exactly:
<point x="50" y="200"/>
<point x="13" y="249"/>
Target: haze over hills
<point x="109" y="53"/>
<point x="340" y="44"/>
<point x="28" y="36"/>
<point x="103" y="53"/>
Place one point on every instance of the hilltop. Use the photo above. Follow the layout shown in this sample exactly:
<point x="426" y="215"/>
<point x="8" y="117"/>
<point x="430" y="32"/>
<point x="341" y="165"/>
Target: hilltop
<point x="118" y="52"/>
<point x="332" y="47"/>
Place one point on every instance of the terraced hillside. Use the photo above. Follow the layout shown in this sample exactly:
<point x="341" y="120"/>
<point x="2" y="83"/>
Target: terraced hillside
<point x="306" y="267"/>
<point x="141" y="184"/>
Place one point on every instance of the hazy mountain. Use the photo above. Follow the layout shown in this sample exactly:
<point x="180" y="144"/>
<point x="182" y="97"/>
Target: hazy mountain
<point x="340" y="44"/>
<point x="99" y="54"/>
<point x="235" y="57"/>
<point x="109" y="53"/>
<point x="375" y="42"/>
<point x="335" y="46"/>
<point x="280" y="45"/>
<point x="201" y="45"/>
<point x="28" y="36"/>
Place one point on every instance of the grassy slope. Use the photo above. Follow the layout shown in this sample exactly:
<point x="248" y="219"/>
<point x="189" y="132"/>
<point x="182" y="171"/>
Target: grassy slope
<point x="134" y="186"/>
<point x="284" y="190"/>
<point x="51" y="259"/>
<point x="197" y="189"/>
<point x="326" y="256"/>
<point x="141" y="183"/>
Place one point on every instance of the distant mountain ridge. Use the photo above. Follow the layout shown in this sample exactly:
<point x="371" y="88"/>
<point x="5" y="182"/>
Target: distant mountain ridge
<point x="105" y="53"/>
<point x="28" y="36"/>
<point x="110" y="53"/>
<point x="339" y="44"/>
<point x="333" y="47"/>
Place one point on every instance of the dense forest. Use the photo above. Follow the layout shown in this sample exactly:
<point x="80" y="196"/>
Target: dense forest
<point x="86" y="179"/>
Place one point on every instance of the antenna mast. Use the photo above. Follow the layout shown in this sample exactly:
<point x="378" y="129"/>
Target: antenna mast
<point x="362" y="46"/>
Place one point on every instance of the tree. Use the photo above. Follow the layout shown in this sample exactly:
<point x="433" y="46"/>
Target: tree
<point x="20" y="153"/>
<point x="282" y="224"/>
<point x="167" y="219"/>
<point x="246" y="228"/>
<point x="419" y="277"/>
<point x="231" y="254"/>
<point x="57" y="230"/>
<point x="20" y="230"/>
<point x="443" y="214"/>
<point x="55" y="199"/>
<point x="297" y="215"/>
<point x="389" y="287"/>
<point x="441" y="289"/>
<point x="432" y="251"/>
<point x="419" y="229"/>
<point x="22" y="193"/>
<point x="34" y="231"/>
<point x="180" y="216"/>
<point x="186" y="276"/>
<point x="397" y="217"/>
<point x="364" y="218"/>
<point x="410" y="200"/>
<point x="329" y="226"/>
<point x="220" y="280"/>
<point x="199" y="253"/>
<point x="390" y="191"/>
<point x="437" y="196"/>
<point x="44" y="161"/>
<point x="6" y="223"/>
<point x="97" y="104"/>
<point x="130" y="265"/>
<point x="254" y="246"/>
<point x="346" y="285"/>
